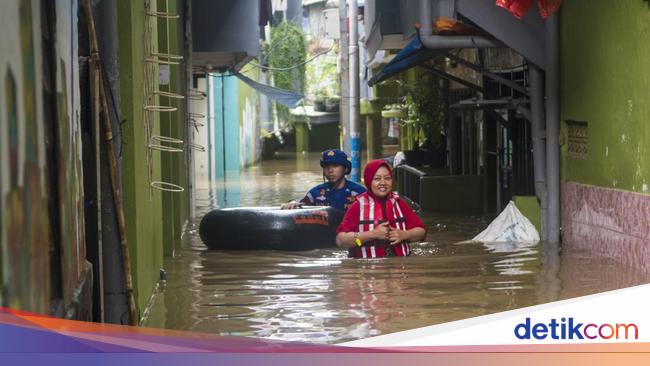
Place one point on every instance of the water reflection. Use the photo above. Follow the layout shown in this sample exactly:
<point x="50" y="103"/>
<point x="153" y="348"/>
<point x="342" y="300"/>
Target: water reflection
<point x="322" y="296"/>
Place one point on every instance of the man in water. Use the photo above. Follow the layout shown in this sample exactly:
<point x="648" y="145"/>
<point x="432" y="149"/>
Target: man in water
<point x="337" y="191"/>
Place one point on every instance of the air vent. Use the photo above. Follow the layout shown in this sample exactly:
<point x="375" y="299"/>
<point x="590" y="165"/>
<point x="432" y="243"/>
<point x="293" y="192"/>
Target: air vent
<point x="578" y="139"/>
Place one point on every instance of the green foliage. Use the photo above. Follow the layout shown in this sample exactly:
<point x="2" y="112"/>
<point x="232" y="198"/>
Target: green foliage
<point x="425" y="104"/>
<point x="286" y="49"/>
<point x="322" y="76"/>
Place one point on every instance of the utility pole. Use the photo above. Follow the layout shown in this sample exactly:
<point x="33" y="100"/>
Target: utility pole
<point x="355" y="130"/>
<point x="344" y="110"/>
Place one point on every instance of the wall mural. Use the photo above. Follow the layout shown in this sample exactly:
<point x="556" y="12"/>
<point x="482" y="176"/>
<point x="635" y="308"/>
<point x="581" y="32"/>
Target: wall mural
<point x="25" y="235"/>
<point x="25" y="223"/>
<point x="70" y="176"/>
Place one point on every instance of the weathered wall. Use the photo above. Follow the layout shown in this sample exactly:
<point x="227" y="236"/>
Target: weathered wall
<point x="142" y="205"/>
<point x="605" y="78"/>
<point x="31" y="233"/>
<point x="173" y="165"/>
<point x="42" y="248"/>
<point x="224" y="120"/>
<point x="202" y="160"/>
<point x="249" y="122"/>
<point x="69" y="166"/>
<point x="23" y="194"/>
<point x="235" y="144"/>
<point x="605" y="82"/>
<point x="155" y="218"/>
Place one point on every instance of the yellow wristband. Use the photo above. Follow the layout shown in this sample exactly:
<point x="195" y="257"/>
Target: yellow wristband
<point x="357" y="240"/>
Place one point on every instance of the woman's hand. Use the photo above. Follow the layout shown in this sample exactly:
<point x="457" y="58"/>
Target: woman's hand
<point x="381" y="231"/>
<point x="396" y="236"/>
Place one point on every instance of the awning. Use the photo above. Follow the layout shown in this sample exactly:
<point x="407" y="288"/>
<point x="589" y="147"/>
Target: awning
<point x="285" y="97"/>
<point x="412" y="55"/>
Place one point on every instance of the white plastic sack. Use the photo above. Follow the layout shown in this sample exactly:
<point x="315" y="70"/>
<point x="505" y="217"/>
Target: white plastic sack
<point x="510" y="226"/>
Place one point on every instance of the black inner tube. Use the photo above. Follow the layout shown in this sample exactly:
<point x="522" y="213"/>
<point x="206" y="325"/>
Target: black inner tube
<point x="270" y="228"/>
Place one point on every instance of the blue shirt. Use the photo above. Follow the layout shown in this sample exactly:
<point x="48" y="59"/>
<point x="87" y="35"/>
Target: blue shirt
<point x="325" y="195"/>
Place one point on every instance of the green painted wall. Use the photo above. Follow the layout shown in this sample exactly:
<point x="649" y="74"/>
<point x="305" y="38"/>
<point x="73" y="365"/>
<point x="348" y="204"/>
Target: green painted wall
<point x="529" y="207"/>
<point x="178" y="82"/>
<point x="605" y="81"/>
<point x="175" y="205"/>
<point x="143" y="208"/>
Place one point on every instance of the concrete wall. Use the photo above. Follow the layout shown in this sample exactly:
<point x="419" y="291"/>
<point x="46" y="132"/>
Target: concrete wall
<point x="69" y="166"/>
<point x="605" y="63"/>
<point x="199" y="109"/>
<point x="25" y="262"/>
<point x="174" y="169"/>
<point x="143" y="206"/>
<point x="42" y="242"/>
<point x="605" y="82"/>
<point x="250" y="148"/>
<point x="42" y="247"/>
<point x="224" y="121"/>
<point x="234" y="125"/>
<point x="455" y="193"/>
<point x="529" y="207"/>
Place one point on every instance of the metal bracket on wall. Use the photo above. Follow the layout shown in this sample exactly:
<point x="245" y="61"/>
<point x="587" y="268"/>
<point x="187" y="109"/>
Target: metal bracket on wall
<point x="153" y="59"/>
<point x="195" y="94"/>
<point x="164" y="58"/>
<point x="163" y="15"/>
<point x="165" y="143"/>
<point x="196" y="147"/>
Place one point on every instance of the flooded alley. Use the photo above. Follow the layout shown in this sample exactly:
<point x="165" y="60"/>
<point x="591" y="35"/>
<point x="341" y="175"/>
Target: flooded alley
<point x="322" y="296"/>
<point x="157" y="158"/>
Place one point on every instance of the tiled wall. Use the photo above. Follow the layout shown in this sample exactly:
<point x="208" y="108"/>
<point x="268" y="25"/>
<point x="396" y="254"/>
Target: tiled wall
<point x="607" y="222"/>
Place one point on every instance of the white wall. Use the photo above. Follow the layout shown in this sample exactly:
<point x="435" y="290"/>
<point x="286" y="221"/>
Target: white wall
<point x="201" y="137"/>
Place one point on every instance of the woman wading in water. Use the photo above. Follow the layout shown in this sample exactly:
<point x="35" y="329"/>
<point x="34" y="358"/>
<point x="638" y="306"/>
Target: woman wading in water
<point x="379" y="223"/>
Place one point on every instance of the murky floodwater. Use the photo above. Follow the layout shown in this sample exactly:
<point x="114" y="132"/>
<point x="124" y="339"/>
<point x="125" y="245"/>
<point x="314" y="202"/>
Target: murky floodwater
<point x="323" y="297"/>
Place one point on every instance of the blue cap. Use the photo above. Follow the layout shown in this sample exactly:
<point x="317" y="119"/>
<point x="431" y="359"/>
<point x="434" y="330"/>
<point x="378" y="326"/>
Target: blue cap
<point x="336" y="156"/>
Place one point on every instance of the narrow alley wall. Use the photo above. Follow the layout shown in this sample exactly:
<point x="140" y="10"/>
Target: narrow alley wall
<point x="173" y="124"/>
<point x="69" y="165"/>
<point x="23" y="193"/>
<point x="42" y="248"/>
<point x="142" y="204"/>
<point x="249" y="119"/>
<point x="605" y="63"/>
<point x="154" y="161"/>
<point x="233" y="111"/>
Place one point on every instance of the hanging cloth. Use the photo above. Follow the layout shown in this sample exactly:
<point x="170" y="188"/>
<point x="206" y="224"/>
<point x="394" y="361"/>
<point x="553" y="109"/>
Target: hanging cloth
<point x="548" y="7"/>
<point x="519" y="8"/>
<point x="284" y="97"/>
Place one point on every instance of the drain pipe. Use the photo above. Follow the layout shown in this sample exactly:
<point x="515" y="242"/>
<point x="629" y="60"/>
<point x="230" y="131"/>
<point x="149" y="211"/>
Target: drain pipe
<point x="553" y="128"/>
<point x="115" y="302"/>
<point x="539" y="141"/>
<point x="447" y="42"/>
<point x="190" y="156"/>
<point x="353" y="54"/>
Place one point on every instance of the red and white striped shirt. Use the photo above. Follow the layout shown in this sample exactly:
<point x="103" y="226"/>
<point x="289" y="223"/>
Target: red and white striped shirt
<point x="368" y="212"/>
